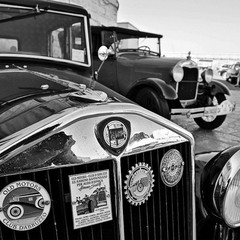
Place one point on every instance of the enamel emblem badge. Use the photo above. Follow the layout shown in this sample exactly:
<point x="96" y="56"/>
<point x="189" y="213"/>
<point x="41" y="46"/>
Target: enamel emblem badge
<point x="139" y="184"/>
<point x="24" y="205"/>
<point x="171" y="167"/>
<point x="113" y="134"/>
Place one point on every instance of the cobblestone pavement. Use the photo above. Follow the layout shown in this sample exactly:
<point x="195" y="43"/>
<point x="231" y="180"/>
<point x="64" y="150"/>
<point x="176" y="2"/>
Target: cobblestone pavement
<point x="228" y="134"/>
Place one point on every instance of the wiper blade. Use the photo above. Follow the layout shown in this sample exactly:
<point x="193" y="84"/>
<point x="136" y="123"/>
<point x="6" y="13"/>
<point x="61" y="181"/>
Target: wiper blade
<point x="55" y="79"/>
<point x="35" y="12"/>
<point x="45" y="88"/>
<point x="83" y="92"/>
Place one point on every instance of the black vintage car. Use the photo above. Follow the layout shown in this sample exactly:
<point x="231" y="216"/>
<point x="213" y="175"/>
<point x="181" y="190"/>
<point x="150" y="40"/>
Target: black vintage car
<point x="167" y="86"/>
<point x="232" y="73"/>
<point x="63" y="136"/>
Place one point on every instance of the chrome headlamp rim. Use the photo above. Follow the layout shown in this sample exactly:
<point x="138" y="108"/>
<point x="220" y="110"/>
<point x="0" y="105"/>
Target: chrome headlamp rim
<point x="217" y="186"/>
<point x="177" y="73"/>
<point x="207" y="75"/>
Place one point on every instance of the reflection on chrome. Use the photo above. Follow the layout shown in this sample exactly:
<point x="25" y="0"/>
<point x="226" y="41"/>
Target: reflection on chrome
<point x="140" y="141"/>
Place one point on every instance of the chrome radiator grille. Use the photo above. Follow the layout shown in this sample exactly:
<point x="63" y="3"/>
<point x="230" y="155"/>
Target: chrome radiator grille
<point x="59" y="223"/>
<point x="167" y="214"/>
<point x="187" y="88"/>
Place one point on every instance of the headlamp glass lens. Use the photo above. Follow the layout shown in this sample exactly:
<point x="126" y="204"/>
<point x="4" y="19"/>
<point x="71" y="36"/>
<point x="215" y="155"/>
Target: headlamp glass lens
<point x="231" y="205"/>
<point x="178" y="73"/>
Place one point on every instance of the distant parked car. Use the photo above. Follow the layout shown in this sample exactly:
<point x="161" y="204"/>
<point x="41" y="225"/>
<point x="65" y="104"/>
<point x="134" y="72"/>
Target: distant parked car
<point x="232" y="73"/>
<point x="222" y="71"/>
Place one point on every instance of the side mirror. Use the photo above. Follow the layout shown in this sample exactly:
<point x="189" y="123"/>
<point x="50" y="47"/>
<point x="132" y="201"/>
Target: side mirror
<point x="103" y="53"/>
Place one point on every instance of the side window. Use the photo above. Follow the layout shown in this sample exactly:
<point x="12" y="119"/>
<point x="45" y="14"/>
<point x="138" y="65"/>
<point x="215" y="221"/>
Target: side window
<point x="69" y="43"/>
<point x="78" y="46"/>
<point x="57" y="43"/>
<point x="8" y="45"/>
<point x="108" y="38"/>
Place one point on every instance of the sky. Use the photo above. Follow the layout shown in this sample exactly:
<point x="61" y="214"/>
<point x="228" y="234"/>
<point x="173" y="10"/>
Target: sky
<point x="205" y="27"/>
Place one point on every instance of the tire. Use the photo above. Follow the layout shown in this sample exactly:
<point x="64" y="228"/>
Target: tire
<point x="91" y="206"/>
<point x="15" y="211"/>
<point x="217" y="121"/>
<point x="149" y="99"/>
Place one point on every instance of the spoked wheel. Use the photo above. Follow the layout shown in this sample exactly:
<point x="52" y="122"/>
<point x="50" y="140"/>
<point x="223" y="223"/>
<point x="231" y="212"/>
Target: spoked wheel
<point x="213" y="121"/>
<point x="149" y="99"/>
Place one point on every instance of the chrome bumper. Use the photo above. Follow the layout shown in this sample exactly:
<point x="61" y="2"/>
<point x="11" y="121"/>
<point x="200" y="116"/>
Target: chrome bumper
<point x="224" y="108"/>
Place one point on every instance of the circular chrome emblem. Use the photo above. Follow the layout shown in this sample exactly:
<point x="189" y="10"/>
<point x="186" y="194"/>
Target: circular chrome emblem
<point x="115" y="134"/>
<point x="139" y="184"/>
<point x="171" y="167"/>
<point x="24" y="205"/>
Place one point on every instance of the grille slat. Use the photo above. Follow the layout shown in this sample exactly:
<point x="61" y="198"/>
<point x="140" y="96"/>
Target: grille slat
<point x="166" y="215"/>
<point x="172" y="205"/>
<point x="59" y="223"/>
<point x="187" y="88"/>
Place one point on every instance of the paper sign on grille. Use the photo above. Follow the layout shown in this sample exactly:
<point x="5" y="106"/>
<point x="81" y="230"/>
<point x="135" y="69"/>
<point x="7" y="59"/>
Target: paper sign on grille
<point x="90" y="196"/>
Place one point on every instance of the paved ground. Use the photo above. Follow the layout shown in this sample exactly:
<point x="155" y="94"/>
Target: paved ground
<point x="228" y="134"/>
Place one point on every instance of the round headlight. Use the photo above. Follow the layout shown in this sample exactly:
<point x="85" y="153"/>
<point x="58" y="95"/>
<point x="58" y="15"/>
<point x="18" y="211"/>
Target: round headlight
<point x="177" y="73"/>
<point x="221" y="188"/>
<point x="207" y="75"/>
<point x="231" y="204"/>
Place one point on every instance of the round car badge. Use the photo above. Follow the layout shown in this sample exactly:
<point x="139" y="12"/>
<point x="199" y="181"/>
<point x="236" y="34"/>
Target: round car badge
<point x="171" y="167"/>
<point x="24" y="205"/>
<point x="139" y="184"/>
<point x="113" y="134"/>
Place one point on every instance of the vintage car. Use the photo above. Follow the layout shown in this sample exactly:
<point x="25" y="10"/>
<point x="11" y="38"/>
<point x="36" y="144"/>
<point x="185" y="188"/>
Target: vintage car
<point x="63" y="136"/>
<point x="222" y="70"/>
<point x="89" y="203"/>
<point x="232" y="73"/>
<point x="167" y="86"/>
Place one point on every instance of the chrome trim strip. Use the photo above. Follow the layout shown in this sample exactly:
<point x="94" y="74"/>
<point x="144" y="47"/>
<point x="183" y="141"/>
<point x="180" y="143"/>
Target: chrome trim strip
<point x="68" y="116"/>
<point x="39" y="57"/>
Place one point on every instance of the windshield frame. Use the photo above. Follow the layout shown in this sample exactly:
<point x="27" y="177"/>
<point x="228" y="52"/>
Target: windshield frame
<point x="83" y="18"/>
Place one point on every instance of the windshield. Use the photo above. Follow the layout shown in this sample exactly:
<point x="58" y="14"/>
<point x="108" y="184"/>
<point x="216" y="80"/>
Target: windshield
<point x="44" y="33"/>
<point x="124" y="42"/>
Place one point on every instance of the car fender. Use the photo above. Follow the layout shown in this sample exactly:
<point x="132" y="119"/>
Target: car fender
<point x="165" y="90"/>
<point x="201" y="160"/>
<point x="219" y="87"/>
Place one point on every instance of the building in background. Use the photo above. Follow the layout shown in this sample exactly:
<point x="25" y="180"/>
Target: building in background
<point x="103" y="12"/>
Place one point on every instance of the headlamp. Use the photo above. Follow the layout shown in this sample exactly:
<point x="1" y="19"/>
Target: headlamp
<point x="207" y="75"/>
<point x="221" y="187"/>
<point x="177" y="73"/>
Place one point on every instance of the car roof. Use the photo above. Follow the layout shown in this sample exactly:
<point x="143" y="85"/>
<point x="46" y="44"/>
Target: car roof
<point x="126" y="31"/>
<point x="46" y="4"/>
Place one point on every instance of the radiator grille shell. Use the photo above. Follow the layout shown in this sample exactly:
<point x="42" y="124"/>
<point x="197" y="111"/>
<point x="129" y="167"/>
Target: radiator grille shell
<point x="188" y="87"/>
<point x="167" y="214"/>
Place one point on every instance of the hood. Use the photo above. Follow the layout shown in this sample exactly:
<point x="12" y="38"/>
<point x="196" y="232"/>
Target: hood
<point x="22" y="79"/>
<point x="59" y="132"/>
<point x="152" y="66"/>
<point x="31" y="111"/>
